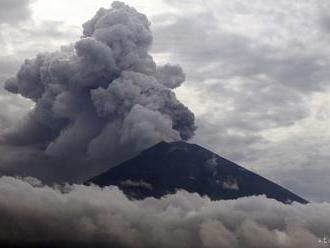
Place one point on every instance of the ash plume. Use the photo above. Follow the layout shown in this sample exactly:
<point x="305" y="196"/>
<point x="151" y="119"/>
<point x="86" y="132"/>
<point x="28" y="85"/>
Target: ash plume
<point x="102" y="98"/>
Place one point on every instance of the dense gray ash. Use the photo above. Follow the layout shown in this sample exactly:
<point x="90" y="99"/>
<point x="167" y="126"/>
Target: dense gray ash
<point x="102" y="98"/>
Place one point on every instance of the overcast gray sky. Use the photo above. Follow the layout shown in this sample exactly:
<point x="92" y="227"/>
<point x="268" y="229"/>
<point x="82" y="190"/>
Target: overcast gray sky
<point x="257" y="74"/>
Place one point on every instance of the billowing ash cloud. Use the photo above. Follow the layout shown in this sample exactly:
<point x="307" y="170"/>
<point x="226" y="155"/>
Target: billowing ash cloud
<point x="102" y="97"/>
<point x="91" y="215"/>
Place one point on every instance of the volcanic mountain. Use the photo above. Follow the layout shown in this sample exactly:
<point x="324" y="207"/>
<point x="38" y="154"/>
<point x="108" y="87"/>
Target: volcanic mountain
<point x="168" y="167"/>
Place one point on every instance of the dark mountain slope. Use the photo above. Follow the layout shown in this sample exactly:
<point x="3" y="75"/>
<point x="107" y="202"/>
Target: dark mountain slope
<point x="167" y="167"/>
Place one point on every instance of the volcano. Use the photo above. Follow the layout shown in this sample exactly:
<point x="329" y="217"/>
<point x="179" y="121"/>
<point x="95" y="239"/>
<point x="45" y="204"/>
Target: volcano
<point x="168" y="167"/>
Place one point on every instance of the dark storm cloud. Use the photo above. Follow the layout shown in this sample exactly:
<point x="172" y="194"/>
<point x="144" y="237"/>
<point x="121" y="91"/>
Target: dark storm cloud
<point x="103" y="97"/>
<point x="88" y="214"/>
<point x="14" y="11"/>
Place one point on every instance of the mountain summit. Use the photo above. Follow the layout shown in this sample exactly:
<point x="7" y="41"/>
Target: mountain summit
<point x="168" y="167"/>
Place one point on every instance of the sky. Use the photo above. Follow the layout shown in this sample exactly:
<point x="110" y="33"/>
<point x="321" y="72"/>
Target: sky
<point x="257" y="75"/>
<point x="81" y="92"/>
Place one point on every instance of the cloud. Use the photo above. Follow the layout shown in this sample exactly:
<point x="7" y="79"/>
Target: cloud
<point x="14" y="11"/>
<point x="248" y="87"/>
<point x="299" y="161"/>
<point x="89" y="215"/>
<point x="260" y="82"/>
<point x="102" y="98"/>
<point x="141" y="184"/>
<point x="252" y="72"/>
<point x="11" y="108"/>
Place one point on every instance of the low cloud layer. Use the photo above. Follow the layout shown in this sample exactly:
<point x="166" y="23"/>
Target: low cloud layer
<point x="102" y="98"/>
<point x="31" y="212"/>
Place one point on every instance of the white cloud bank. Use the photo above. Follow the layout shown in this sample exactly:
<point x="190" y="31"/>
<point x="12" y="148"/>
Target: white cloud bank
<point x="31" y="212"/>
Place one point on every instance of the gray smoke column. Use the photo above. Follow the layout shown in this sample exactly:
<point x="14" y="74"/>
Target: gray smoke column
<point x="104" y="96"/>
